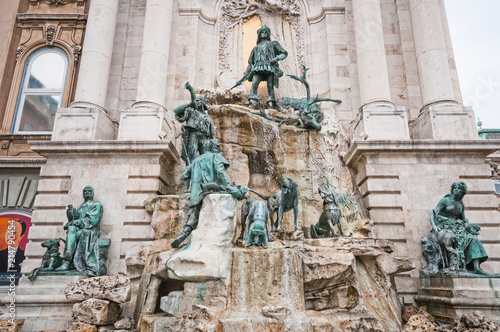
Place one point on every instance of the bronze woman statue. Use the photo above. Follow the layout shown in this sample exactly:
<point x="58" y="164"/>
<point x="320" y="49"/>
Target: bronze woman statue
<point x="449" y="216"/>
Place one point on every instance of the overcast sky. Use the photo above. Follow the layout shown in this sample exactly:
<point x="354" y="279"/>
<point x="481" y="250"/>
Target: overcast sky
<point x="475" y="33"/>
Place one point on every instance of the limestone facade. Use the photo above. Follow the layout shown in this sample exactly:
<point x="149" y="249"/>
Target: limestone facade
<point x="401" y="128"/>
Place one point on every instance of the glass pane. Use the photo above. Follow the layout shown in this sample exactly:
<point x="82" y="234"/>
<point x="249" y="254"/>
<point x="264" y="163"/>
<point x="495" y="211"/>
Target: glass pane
<point x="38" y="113"/>
<point x="47" y="71"/>
<point x="497" y="186"/>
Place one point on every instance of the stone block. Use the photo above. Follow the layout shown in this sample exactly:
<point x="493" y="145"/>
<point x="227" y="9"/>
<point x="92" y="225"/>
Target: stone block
<point x="113" y="288"/>
<point x="170" y="303"/>
<point x="445" y="122"/>
<point x="207" y="255"/>
<point x="82" y="124"/>
<point x="271" y="277"/>
<point x="384" y="121"/>
<point x="144" y="123"/>
<point x="97" y="312"/>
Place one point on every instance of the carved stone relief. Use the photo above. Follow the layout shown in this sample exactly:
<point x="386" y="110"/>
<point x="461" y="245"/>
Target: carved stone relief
<point x="57" y="3"/>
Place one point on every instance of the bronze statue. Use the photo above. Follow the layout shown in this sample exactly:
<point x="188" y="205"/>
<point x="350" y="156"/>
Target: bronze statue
<point x="51" y="259"/>
<point x="282" y="201"/>
<point x="310" y="114"/>
<point x="199" y="127"/>
<point x="254" y="213"/>
<point x="263" y="66"/>
<point x="82" y="251"/>
<point x="453" y="245"/>
<point x="329" y="217"/>
<point x="208" y="175"/>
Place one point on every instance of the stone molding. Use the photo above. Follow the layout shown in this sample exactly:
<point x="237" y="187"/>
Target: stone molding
<point x="358" y="148"/>
<point x="165" y="147"/>
<point x="17" y="146"/>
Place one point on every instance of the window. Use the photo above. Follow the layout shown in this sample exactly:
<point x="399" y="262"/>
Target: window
<point x="41" y="92"/>
<point x="497" y="186"/>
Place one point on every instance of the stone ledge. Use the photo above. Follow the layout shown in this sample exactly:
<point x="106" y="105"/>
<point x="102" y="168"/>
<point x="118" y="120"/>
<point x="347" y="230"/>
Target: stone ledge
<point x="349" y="243"/>
<point x="358" y="148"/>
<point x="106" y="146"/>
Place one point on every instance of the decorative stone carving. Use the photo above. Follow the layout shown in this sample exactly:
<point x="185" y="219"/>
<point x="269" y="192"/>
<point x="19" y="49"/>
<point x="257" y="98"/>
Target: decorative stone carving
<point x="50" y="33"/>
<point x="57" y="3"/>
<point x="77" y="50"/>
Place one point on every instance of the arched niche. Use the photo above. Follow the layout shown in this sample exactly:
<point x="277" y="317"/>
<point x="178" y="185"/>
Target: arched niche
<point x="238" y="22"/>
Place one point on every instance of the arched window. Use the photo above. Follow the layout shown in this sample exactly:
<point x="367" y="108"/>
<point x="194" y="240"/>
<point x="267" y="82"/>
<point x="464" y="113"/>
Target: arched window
<point x="41" y="91"/>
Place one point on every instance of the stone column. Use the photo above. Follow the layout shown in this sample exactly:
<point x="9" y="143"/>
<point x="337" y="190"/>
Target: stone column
<point x="87" y="118"/>
<point x="377" y="111"/>
<point x="441" y="116"/>
<point x="146" y="120"/>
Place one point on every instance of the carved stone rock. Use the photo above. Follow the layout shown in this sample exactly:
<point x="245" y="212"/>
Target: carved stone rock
<point x="125" y="323"/>
<point x="8" y="326"/>
<point x="420" y="323"/>
<point x="113" y="288"/>
<point x="208" y="253"/>
<point x="97" y="311"/>
<point x="82" y="327"/>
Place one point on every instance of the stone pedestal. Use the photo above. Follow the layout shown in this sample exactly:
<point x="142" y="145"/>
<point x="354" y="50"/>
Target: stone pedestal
<point x="82" y="124"/>
<point x="381" y="121"/>
<point x="207" y="255"/>
<point x="445" y="122"/>
<point x="448" y="299"/>
<point x="144" y="123"/>
<point x="42" y="302"/>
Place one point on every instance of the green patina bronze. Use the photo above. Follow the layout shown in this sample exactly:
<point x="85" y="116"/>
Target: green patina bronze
<point x="198" y="128"/>
<point x="85" y="253"/>
<point x="329" y="217"/>
<point x="82" y="251"/>
<point x="263" y="66"/>
<point x="309" y="111"/>
<point x="208" y="175"/>
<point x="453" y="246"/>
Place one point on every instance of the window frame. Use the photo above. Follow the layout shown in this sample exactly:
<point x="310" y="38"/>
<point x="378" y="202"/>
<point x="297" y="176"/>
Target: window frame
<point x="24" y="91"/>
<point x="496" y="182"/>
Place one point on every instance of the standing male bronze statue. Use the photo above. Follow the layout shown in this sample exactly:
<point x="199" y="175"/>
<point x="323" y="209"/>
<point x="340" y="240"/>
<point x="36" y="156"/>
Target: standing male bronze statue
<point x="82" y="239"/>
<point x="263" y="66"/>
<point x="199" y="127"/>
